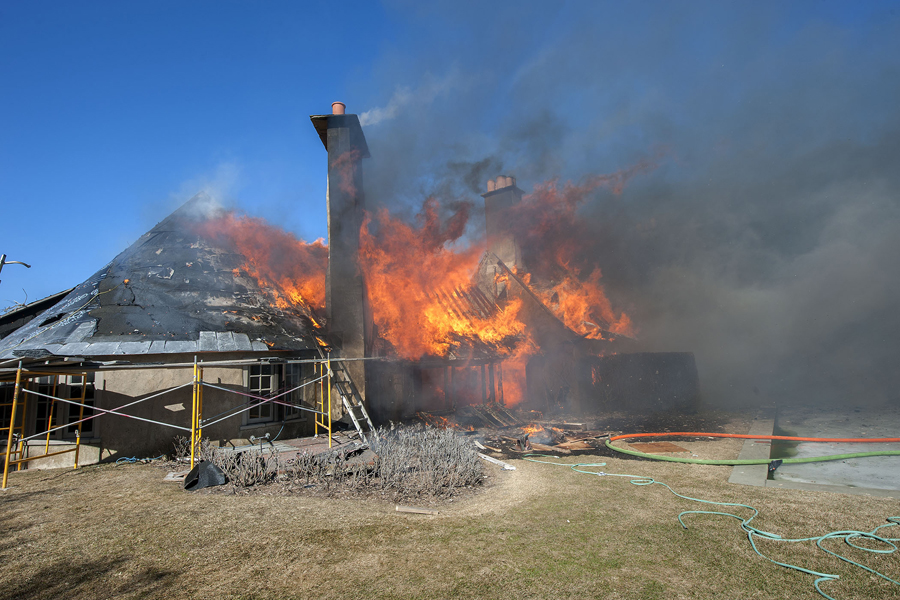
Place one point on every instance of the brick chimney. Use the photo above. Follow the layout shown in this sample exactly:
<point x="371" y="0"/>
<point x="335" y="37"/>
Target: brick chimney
<point x="502" y="194"/>
<point x="349" y="320"/>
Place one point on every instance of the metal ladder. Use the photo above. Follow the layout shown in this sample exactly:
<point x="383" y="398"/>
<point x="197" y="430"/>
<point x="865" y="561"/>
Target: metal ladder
<point x="349" y="396"/>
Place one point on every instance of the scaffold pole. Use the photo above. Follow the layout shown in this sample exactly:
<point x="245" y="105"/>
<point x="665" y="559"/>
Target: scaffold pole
<point x="12" y="424"/>
<point x="80" y="417"/>
<point x="330" y="375"/>
<point x="194" y="415"/>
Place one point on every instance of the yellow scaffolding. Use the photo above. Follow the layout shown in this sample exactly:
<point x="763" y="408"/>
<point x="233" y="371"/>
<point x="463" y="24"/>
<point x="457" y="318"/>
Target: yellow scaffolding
<point x="50" y="415"/>
<point x="16" y="445"/>
<point x="21" y="445"/>
<point x="322" y="372"/>
<point x="196" y="412"/>
<point x="325" y="411"/>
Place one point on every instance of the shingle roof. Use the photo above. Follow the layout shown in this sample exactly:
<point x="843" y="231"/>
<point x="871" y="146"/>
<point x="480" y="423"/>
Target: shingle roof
<point x="170" y="291"/>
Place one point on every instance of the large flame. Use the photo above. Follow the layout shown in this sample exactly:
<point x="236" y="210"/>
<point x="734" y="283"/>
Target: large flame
<point x="419" y="279"/>
<point x="583" y="306"/>
<point x="291" y="270"/>
<point x="419" y="276"/>
<point x="420" y="290"/>
<point x="553" y="237"/>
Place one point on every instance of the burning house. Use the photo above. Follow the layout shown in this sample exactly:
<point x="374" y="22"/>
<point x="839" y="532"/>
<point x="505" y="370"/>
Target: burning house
<point x="442" y="329"/>
<point x="412" y="327"/>
<point x="504" y="337"/>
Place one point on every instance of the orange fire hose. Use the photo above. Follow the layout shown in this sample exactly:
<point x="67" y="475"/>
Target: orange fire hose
<point x="760" y="461"/>
<point x="758" y="437"/>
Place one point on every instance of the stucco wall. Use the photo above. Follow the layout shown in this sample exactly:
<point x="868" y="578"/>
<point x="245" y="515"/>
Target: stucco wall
<point x="122" y="436"/>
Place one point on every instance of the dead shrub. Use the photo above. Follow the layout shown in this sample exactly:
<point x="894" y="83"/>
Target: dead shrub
<point x="327" y="471"/>
<point x="247" y="468"/>
<point x="425" y="461"/>
<point x="182" y="448"/>
<point x="409" y="462"/>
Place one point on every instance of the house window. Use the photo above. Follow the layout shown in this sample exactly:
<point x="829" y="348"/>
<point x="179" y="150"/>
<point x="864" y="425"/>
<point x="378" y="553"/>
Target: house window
<point x="46" y="406"/>
<point x="267" y="381"/>
<point x="76" y="384"/>
<point x="293" y="377"/>
<point x="6" y="400"/>
<point x="46" y="413"/>
<point x="263" y="382"/>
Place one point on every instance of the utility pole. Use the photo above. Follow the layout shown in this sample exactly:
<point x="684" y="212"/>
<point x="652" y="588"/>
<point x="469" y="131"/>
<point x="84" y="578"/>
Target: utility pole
<point x="3" y="261"/>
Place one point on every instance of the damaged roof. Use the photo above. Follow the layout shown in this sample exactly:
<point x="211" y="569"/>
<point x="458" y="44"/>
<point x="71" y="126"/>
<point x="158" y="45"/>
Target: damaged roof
<point x="545" y="327"/>
<point x="172" y="291"/>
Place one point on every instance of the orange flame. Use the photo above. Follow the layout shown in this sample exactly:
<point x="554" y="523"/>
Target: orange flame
<point x="441" y="422"/>
<point x="513" y="370"/>
<point x="584" y="307"/>
<point x="419" y="277"/>
<point x="552" y="237"/>
<point x="421" y="291"/>
<point x="293" y="271"/>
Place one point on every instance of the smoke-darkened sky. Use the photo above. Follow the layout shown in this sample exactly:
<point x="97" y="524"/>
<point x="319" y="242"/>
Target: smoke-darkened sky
<point x="764" y="240"/>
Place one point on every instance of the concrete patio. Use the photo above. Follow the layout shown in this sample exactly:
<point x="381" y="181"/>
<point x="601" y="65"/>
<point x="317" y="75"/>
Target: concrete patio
<point x="874" y="476"/>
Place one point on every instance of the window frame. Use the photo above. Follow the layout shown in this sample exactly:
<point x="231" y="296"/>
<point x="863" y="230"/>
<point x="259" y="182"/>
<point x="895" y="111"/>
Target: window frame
<point x="68" y="387"/>
<point x="274" y="377"/>
<point x="294" y="374"/>
<point x="72" y="412"/>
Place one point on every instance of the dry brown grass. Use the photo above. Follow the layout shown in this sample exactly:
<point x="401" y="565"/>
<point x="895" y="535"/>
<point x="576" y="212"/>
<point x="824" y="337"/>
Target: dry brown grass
<point x="539" y="532"/>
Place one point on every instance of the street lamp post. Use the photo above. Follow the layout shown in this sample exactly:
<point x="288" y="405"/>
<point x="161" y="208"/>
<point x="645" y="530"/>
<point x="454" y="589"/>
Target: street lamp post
<point x="3" y="261"/>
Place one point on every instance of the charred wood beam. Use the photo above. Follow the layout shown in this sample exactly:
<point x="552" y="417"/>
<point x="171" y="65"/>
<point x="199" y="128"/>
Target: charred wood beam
<point x="493" y="394"/>
<point x="483" y="387"/>
<point x="489" y="307"/>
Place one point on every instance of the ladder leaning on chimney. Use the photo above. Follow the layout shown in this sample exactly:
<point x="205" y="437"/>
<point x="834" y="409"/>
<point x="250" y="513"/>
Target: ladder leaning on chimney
<point x="350" y="397"/>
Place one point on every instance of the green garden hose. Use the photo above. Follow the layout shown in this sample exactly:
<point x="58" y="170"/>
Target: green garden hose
<point x="848" y="536"/>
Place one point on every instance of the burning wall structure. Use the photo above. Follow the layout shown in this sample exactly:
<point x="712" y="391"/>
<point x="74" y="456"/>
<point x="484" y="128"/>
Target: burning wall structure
<point x="516" y="317"/>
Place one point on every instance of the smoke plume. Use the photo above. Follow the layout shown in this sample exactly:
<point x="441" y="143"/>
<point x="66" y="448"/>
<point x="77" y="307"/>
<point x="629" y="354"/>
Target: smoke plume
<point x="765" y="240"/>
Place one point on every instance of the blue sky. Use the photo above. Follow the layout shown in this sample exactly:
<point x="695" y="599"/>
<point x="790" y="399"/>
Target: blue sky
<point x="113" y="113"/>
<point x="116" y="112"/>
<point x="777" y="123"/>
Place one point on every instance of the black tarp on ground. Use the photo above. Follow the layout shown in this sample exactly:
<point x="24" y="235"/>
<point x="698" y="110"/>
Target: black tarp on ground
<point x="203" y="475"/>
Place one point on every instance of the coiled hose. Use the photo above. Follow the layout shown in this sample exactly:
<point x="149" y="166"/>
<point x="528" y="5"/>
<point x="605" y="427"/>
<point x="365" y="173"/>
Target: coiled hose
<point x="849" y="536"/>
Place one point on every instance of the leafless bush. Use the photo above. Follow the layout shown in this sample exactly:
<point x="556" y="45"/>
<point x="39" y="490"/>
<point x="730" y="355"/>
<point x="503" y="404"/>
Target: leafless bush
<point x="327" y="471"/>
<point x="204" y="451"/>
<point x="182" y="447"/>
<point x="425" y="461"/>
<point x="247" y="468"/>
<point x="408" y="462"/>
<point x="242" y="469"/>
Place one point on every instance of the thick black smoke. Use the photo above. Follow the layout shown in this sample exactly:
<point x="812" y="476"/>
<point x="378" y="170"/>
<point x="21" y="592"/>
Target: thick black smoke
<point x="767" y="239"/>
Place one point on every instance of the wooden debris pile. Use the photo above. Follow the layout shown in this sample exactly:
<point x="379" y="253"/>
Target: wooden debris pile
<point x="513" y="432"/>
